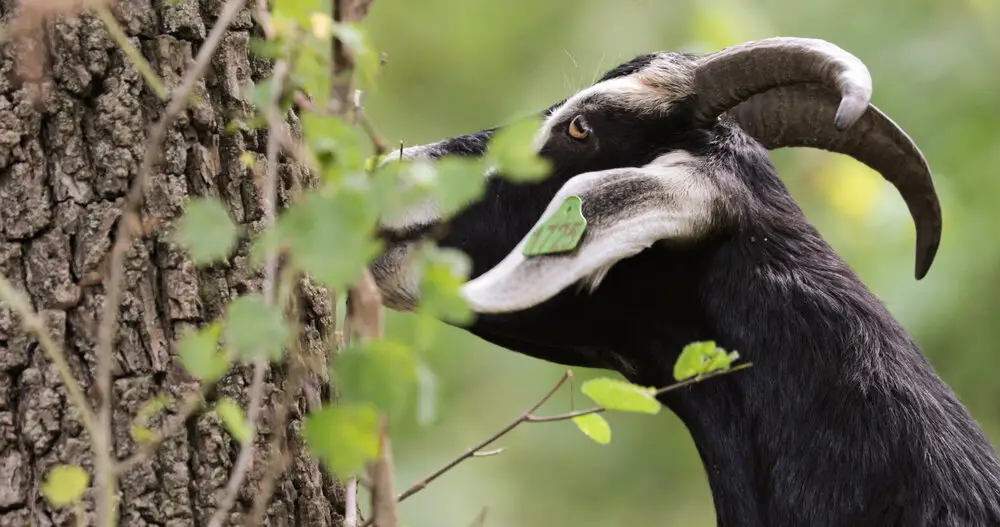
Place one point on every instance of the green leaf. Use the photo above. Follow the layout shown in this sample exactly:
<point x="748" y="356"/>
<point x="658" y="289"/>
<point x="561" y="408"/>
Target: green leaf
<point x="206" y="231"/>
<point x="235" y="420"/>
<point x="335" y="144"/>
<point x="140" y="432"/>
<point x="269" y="49"/>
<point x="65" y="485"/>
<point x="702" y="358"/>
<point x="330" y="237"/>
<point x="444" y="272"/>
<point x="595" y="427"/>
<point x="201" y="356"/>
<point x="461" y="181"/>
<point x="152" y="407"/>
<point x="345" y="437"/>
<point x="260" y="93"/>
<point x="382" y="372"/>
<point x="512" y="149"/>
<point x="143" y="434"/>
<point x="613" y="394"/>
<point x="255" y="329"/>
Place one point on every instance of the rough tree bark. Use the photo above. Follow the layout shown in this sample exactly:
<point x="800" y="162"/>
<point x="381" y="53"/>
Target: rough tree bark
<point x="65" y="164"/>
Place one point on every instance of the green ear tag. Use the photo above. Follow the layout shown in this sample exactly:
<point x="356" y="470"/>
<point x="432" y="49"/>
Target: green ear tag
<point x="560" y="233"/>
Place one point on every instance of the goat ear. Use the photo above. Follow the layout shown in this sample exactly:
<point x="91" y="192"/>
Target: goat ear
<point x="626" y="210"/>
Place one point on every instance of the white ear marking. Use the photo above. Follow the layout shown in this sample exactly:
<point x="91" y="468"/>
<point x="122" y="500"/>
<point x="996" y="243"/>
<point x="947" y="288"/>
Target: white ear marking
<point x="627" y="211"/>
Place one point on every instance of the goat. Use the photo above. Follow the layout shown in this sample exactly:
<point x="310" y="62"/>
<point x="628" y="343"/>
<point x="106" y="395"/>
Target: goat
<point x="691" y="236"/>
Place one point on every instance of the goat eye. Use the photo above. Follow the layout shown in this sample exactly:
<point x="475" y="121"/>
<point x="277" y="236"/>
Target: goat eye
<point x="578" y="128"/>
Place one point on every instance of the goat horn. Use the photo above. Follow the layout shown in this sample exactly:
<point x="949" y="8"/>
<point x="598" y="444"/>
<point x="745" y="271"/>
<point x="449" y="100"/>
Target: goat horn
<point x="789" y="92"/>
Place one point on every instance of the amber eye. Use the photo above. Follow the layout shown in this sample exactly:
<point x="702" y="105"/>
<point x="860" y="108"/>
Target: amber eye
<point x="578" y="128"/>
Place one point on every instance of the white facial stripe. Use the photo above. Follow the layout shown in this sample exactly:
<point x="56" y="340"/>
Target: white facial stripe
<point x="649" y="91"/>
<point x="617" y="87"/>
<point x="675" y="204"/>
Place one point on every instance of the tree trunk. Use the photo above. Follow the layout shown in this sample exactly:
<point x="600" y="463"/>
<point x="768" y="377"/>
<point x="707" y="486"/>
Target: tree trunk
<point x="66" y="160"/>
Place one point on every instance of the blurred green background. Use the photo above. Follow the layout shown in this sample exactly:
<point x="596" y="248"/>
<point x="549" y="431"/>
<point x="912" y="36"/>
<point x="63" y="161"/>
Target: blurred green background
<point x="458" y="66"/>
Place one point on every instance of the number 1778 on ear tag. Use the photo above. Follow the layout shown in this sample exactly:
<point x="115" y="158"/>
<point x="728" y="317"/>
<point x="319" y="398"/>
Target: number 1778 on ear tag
<point x="560" y="233"/>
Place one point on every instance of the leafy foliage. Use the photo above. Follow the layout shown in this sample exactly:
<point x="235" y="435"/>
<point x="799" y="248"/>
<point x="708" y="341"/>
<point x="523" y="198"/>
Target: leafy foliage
<point x="345" y="437"/>
<point x="595" y="427"/>
<point x="512" y="150"/>
<point x="381" y="372"/>
<point x="200" y="354"/>
<point x="206" y="231"/>
<point x="65" y="485"/>
<point x="621" y="396"/>
<point x="140" y="431"/>
<point x="234" y="419"/>
<point x="254" y="329"/>
<point x="702" y="358"/>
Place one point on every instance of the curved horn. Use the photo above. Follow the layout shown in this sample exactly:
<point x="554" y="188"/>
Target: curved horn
<point x="788" y="92"/>
<point x="803" y="115"/>
<point x="726" y="78"/>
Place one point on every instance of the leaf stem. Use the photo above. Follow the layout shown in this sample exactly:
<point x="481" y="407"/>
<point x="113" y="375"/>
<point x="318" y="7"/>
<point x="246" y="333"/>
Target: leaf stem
<point x="192" y="404"/>
<point x="420" y="485"/>
<point x="530" y="417"/>
<point x="245" y="458"/>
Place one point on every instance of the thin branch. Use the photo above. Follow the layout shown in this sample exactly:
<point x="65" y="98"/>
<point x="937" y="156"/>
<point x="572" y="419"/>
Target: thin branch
<point x="106" y="478"/>
<point x="279" y="461"/>
<point x="669" y="388"/>
<point x="378" y="144"/>
<point x="420" y="485"/>
<point x="565" y="416"/>
<point x="192" y="404"/>
<point x="383" y="495"/>
<point x="530" y="417"/>
<point x="699" y="378"/>
<point x="245" y="458"/>
<point x="351" y="503"/>
<point x="33" y="323"/>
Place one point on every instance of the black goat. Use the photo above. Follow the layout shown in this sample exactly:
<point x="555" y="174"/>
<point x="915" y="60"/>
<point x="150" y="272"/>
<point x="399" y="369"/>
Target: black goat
<point x="691" y="235"/>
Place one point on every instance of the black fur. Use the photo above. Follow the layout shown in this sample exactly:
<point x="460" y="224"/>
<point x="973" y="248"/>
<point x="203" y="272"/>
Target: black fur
<point x="841" y="422"/>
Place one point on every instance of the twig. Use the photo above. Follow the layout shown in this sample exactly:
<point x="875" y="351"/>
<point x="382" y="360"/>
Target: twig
<point x="669" y="388"/>
<point x="530" y="417"/>
<point x="192" y="404"/>
<point x="420" y="485"/>
<point x="384" y="511"/>
<point x="279" y="460"/>
<point x="378" y="144"/>
<point x="245" y="458"/>
<point x="106" y="478"/>
<point x="351" y="503"/>
<point x="364" y="309"/>
<point x="364" y="320"/>
<point x="33" y="323"/>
